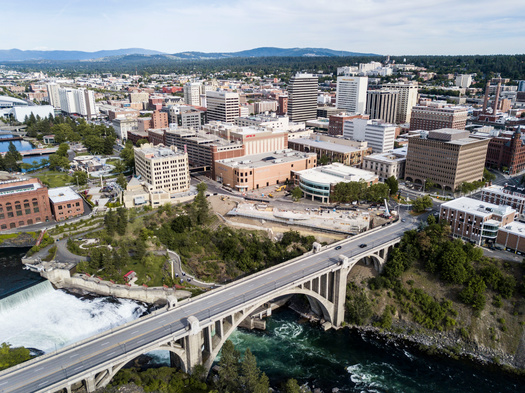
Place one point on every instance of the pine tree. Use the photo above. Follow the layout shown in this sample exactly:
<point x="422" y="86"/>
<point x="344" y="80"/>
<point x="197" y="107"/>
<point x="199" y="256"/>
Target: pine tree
<point x="229" y="368"/>
<point x="252" y="380"/>
<point x="110" y="222"/>
<point x="122" y="220"/>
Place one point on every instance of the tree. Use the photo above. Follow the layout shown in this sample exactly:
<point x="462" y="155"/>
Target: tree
<point x="57" y="162"/>
<point x="252" y="380"/>
<point x="489" y="176"/>
<point x="122" y="220"/>
<point x="429" y="184"/>
<point x="128" y="155"/>
<point x="323" y="160"/>
<point x="110" y="222"/>
<point x="12" y="356"/>
<point x="420" y="204"/>
<point x="431" y="220"/>
<point x="200" y="208"/>
<point x="62" y="150"/>
<point x="121" y="181"/>
<point x="393" y="185"/>
<point x="297" y="194"/>
<point x="228" y="368"/>
<point x="142" y="141"/>
<point x="119" y="166"/>
<point x="291" y="386"/>
<point x="474" y="293"/>
<point x="80" y="177"/>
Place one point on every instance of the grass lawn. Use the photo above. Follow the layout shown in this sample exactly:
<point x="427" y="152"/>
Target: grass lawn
<point x="54" y="178"/>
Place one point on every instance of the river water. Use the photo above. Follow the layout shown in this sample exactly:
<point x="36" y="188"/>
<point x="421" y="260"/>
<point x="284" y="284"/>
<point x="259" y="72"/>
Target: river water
<point x="46" y="319"/>
<point x="21" y="146"/>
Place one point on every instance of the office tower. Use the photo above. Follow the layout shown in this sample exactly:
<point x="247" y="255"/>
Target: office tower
<point x="192" y="92"/>
<point x="521" y="86"/>
<point x="408" y="97"/>
<point x="222" y="106"/>
<point x="379" y="135"/>
<point x="77" y="101"/>
<point x="351" y="93"/>
<point x="447" y="157"/>
<point x="302" y="97"/>
<point x="463" y="81"/>
<point x="283" y="106"/>
<point x="382" y="104"/>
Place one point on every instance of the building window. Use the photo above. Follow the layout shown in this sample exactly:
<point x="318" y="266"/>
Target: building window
<point x="36" y="210"/>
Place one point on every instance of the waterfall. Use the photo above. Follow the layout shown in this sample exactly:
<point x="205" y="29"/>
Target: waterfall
<point x="25" y="296"/>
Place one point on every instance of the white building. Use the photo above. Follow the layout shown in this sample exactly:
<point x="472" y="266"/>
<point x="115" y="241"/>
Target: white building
<point x="222" y="106"/>
<point x="123" y="126"/>
<point x="21" y="112"/>
<point x="386" y="165"/>
<point x="78" y="101"/>
<point x="317" y="183"/>
<point x="192" y="91"/>
<point x="408" y="97"/>
<point x="463" y="80"/>
<point x="379" y="135"/>
<point x="351" y="93"/>
<point x="53" y="95"/>
<point x="271" y="121"/>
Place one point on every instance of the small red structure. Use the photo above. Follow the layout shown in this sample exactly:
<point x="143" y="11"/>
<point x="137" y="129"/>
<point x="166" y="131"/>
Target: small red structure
<point x="129" y="275"/>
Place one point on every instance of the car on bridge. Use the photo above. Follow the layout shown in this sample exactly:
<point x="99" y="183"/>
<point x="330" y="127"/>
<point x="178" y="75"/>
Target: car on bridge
<point x="362" y="245"/>
<point x="338" y="248"/>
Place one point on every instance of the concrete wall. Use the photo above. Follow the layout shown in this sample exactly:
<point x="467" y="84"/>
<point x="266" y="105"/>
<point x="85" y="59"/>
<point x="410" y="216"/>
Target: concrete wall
<point x="61" y="278"/>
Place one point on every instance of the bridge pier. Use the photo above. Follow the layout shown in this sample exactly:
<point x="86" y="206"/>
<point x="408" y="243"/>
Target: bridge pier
<point x="91" y="385"/>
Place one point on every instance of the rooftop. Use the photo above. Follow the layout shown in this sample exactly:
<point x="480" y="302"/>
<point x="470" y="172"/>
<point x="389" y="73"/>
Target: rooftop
<point x="265" y="159"/>
<point x="159" y="151"/>
<point x="478" y="208"/>
<point x="336" y="173"/>
<point x="62" y="194"/>
<point x="325" y="145"/>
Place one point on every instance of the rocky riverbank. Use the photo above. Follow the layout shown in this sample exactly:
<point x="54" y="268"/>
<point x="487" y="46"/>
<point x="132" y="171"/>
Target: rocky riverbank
<point x="22" y="239"/>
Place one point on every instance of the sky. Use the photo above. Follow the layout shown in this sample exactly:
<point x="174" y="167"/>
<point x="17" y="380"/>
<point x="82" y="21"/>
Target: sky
<point x="387" y="27"/>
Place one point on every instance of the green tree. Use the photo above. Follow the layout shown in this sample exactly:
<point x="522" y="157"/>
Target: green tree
<point x="454" y="264"/>
<point x="431" y="220"/>
<point x="80" y="177"/>
<point x="489" y="176"/>
<point x="393" y="185"/>
<point x="323" y="160"/>
<point x="200" y="208"/>
<point x="119" y="166"/>
<point x="121" y="181"/>
<point x="228" y="368"/>
<point x="359" y="308"/>
<point x="11" y="158"/>
<point x="12" y="356"/>
<point x="57" y="162"/>
<point x="291" y="386"/>
<point x="62" y="150"/>
<point x="251" y="378"/>
<point x="420" y="204"/>
<point x="474" y="293"/>
<point x="142" y="141"/>
<point x="128" y="155"/>
<point x="122" y="220"/>
<point x="110" y="222"/>
<point x="297" y="194"/>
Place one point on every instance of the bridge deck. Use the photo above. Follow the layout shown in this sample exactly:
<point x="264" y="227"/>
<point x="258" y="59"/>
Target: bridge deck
<point x="72" y="363"/>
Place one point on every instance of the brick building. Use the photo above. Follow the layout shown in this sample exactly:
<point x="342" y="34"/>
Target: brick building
<point x="474" y="220"/>
<point x="65" y="203"/>
<point x="507" y="149"/>
<point x="509" y="195"/>
<point x="336" y="122"/>
<point x="432" y="118"/>
<point x="23" y="202"/>
<point x="159" y="120"/>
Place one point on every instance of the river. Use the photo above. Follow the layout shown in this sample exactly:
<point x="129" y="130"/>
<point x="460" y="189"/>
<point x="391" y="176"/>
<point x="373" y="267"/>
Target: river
<point x="21" y="146"/>
<point x="46" y="319"/>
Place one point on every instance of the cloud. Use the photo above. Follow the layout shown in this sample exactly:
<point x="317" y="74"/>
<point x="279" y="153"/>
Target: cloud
<point x="379" y="26"/>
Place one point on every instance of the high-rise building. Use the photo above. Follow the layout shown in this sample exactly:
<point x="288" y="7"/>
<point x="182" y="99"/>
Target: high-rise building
<point x="521" y="86"/>
<point x="447" y="157"/>
<point x="222" y="106"/>
<point x="53" y="95"/>
<point x="379" y="135"/>
<point x="78" y="101"/>
<point x="408" y="97"/>
<point x="192" y="92"/>
<point x="463" y="80"/>
<point x="163" y="168"/>
<point x="382" y="104"/>
<point x="506" y="149"/>
<point x="433" y="118"/>
<point x="159" y="119"/>
<point x="302" y="97"/>
<point x="351" y="93"/>
<point x="283" y="106"/>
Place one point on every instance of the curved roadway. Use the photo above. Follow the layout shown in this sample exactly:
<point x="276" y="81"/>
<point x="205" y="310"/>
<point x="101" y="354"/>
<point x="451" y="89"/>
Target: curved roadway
<point x="79" y="359"/>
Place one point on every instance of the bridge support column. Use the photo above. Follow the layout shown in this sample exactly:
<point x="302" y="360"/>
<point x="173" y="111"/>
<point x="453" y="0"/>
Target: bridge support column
<point x="91" y="386"/>
<point x="192" y="346"/>
<point x="218" y="328"/>
<point x="339" y="289"/>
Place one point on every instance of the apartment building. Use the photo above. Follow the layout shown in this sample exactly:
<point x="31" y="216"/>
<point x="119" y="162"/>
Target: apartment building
<point x="407" y="99"/>
<point x="433" y="118"/>
<point x="382" y="104"/>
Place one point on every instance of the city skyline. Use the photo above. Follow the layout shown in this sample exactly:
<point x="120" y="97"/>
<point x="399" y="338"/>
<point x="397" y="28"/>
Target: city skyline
<point x="406" y="27"/>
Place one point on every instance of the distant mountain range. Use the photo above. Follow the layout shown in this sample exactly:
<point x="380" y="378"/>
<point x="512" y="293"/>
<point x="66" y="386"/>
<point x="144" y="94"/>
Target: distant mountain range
<point x="58" y="55"/>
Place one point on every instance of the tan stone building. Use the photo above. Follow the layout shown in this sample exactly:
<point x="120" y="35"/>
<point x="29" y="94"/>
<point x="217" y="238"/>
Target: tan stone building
<point x="447" y="157"/>
<point x="262" y="170"/>
<point x="164" y="168"/>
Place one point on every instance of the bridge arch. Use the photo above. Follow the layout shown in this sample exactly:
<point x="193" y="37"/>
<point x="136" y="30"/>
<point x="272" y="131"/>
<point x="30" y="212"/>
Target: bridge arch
<point x="326" y="307"/>
<point x="104" y="377"/>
